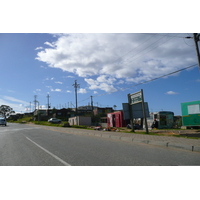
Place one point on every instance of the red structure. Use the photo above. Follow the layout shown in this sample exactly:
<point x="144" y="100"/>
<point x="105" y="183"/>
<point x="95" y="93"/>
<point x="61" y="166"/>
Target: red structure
<point x="116" y="119"/>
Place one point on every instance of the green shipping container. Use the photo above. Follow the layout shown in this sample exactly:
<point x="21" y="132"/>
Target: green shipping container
<point x="191" y="113"/>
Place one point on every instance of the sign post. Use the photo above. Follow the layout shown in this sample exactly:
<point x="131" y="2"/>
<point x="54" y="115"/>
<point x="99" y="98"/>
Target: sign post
<point x="135" y="98"/>
<point x="144" y="113"/>
<point x="130" y="113"/>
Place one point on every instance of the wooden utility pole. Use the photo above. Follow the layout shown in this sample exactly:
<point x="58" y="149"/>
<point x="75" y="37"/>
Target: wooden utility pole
<point x="196" y="40"/>
<point x="144" y="112"/>
<point x="76" y="86"/>
<point x="48" y="104"/>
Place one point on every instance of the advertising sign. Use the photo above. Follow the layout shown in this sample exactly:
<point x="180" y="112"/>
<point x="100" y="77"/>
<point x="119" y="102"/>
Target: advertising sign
<point x="136" y="97"/>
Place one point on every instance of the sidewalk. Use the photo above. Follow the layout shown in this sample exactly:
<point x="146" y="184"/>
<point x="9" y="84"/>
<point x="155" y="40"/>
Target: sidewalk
<point x="165" y="141"/>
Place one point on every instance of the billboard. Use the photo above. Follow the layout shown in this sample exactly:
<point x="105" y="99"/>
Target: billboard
<point x="137" y="111"/>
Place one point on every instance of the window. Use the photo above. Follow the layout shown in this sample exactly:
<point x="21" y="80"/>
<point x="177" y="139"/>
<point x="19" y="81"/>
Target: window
<point x="194" y="109"/>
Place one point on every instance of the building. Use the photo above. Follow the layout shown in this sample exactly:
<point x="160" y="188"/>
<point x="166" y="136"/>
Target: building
<point x="80" y="120"/>
<point x="191" y="114"/>
<point x="116" y="119"/>
<point x="102" y="111"/>
<point x="165" y="119"/>
<point x="63" y="113"/>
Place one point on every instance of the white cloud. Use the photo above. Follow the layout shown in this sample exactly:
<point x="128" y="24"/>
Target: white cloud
<point x="171" y="93"/>
<point x="15" y="100"/>
<point x="43" y="67"/>
<point x="50" y="44"/>
<point x="56" y="90"/>
<point x="38" y="48"/>
<point x="58" y="82"/>
<point x="68" y="91"/>
<point x="16" y="104"/>
<point x="95" y="84"/>
<point x="116" y="58"/>
<point x="82" y="91"/>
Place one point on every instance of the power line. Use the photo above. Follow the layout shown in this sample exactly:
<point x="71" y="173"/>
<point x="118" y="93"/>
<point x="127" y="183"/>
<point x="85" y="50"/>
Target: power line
<point x="164" y="35"/>
<point x="149" y="50"/>
<point x="145" y="48"/>
<point x="131" y="50"/>
<point x="146" y="81"/>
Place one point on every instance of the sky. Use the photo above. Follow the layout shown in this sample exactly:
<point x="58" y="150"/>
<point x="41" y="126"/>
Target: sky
<point x="36" y="61"/>
<point x="107" y="66"/>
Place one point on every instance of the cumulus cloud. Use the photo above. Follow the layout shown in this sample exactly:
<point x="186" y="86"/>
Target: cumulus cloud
<point x="82" y="91"/>
<point x="171" y="93"/>
<point x="38" y="48"/>
<point x="96" y="84"/>
<point x="121" y="57"/>
<point x="56" y="90"/>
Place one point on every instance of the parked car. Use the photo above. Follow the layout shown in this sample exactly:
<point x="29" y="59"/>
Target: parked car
<point x="54" y="120"/>
<point x="3" y="121"/>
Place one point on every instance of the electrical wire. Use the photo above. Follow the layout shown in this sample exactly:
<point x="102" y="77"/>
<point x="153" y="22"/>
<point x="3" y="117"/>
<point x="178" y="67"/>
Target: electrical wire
<point x="149" y="50"/>
<point x="122" y="89"/>
<point x="164" y="35"/>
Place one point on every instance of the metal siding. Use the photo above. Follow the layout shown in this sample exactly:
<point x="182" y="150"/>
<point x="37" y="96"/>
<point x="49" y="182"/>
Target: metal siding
<point x="189" y="119"/>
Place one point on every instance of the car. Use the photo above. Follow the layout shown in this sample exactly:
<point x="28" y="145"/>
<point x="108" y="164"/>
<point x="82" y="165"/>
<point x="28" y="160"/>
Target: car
<point x="54" y="120"/>
<point x="3" y="122"/>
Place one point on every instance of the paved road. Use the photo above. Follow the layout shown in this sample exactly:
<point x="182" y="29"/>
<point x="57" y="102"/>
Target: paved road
<point x="24" y="145"/>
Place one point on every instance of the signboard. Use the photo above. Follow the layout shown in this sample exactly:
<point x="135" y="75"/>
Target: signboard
<point x="137" y="111"/>
<point x="136" y="97"/>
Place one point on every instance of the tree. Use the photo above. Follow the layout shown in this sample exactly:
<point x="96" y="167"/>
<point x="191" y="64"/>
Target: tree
<point x="6" y="110"/>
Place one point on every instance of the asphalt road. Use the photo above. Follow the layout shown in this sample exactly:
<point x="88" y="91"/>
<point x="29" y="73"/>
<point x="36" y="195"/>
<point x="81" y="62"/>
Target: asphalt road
<point x="23" y="145"/>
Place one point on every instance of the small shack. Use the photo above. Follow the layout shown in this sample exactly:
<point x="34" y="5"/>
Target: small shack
<point x="116" y="119"/>
<point x="80" y="120"/>
<point x="165" y="119"/>
<point x="191" y="114"/>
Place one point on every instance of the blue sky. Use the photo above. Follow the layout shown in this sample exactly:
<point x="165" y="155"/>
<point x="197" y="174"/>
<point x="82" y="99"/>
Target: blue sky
<point x="104" y="64"/>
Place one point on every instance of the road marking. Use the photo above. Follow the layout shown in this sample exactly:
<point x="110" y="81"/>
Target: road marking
<point x="56" y="157"/>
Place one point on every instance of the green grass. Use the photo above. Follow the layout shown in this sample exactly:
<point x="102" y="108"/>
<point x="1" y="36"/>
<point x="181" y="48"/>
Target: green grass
<point x="143" y="133"/>
<point x="79" y="126"/>
<point x="22" y="120"/>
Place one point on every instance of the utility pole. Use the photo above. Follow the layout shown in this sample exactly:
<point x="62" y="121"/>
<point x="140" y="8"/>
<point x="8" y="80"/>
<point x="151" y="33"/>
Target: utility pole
<point x="48" y="104"/>
<point x="76" y="86"/>
<point x="196" y="40"/>
<point x="92" y="103"/>
<point x="35" y="101"/>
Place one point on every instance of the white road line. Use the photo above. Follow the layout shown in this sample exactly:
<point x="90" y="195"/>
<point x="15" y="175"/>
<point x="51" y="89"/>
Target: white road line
<point x="56" y="157"/>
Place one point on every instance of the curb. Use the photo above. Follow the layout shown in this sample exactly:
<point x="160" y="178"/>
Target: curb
<point x="150" y="142"/>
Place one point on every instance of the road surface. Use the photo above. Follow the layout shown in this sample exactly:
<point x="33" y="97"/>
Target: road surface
<point x="25" y="145"/>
